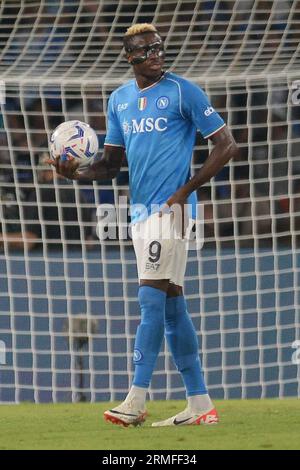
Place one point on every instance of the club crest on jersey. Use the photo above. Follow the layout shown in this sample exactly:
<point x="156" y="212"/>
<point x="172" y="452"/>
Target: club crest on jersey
<point x="162" y="102"/>
<point x="142" y="103"/>
<point x="137" y="355"/>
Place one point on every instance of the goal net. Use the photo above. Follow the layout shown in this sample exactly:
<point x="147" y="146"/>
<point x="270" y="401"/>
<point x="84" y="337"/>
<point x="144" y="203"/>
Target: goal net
<point x="68" y="300"/>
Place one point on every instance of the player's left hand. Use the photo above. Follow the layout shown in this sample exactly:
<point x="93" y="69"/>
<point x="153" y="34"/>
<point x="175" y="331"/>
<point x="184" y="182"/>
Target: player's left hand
<point x="65" y="166"/>
<point x="176" y="205"/>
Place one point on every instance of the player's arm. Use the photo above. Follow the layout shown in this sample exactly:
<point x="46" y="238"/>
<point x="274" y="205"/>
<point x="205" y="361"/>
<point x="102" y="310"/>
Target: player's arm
<point x="225" y="149"/>
<point x="105" y="167"/>
<point x="108" y="165"/>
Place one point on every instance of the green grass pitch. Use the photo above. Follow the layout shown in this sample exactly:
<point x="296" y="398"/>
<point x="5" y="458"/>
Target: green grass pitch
<point x="245" y="424"/>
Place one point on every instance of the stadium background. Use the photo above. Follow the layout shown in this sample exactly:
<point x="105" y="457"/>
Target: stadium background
<point x="61" y="60"/>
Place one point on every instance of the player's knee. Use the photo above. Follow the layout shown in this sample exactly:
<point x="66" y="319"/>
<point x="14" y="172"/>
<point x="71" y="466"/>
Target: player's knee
<point x="176" y="311"/>
<point x="185" y="361"/>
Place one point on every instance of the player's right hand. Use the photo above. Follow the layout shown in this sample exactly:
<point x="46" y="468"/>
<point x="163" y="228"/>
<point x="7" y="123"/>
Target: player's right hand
<point x="66" y="166"/>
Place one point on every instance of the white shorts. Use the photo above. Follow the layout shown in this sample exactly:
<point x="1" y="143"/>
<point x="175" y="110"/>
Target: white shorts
<point x="160" y="250"/>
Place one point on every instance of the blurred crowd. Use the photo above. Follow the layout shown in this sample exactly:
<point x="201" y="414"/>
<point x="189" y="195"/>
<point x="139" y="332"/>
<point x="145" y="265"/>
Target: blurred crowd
<point x="254" y="200"/>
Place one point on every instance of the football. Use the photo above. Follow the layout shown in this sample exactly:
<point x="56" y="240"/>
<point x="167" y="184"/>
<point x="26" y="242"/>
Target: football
<point x="74" y="138"/>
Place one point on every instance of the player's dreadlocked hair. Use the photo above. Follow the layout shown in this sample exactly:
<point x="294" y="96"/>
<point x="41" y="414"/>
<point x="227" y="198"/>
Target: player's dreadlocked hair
<point x="139" y="28"/>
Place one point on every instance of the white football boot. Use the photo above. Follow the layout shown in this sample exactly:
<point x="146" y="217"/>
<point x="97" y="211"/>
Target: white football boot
<point x="190" y="417"/>
<point x="126" y="414"/>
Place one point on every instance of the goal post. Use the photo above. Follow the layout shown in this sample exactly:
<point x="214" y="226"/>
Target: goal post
<point x="68" y="300"/>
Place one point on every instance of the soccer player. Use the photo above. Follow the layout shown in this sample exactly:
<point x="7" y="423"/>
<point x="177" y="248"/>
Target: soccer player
<point x="154" y="119"/>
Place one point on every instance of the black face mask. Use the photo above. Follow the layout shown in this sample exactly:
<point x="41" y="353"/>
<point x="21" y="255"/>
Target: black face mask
<point x="144" y="52"/>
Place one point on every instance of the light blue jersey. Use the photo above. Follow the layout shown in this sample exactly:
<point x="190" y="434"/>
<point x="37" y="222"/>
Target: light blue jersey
<point x="157" y="126"/>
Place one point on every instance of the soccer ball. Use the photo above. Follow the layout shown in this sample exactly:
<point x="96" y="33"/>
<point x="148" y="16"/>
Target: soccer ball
<point x="74" y="138"/>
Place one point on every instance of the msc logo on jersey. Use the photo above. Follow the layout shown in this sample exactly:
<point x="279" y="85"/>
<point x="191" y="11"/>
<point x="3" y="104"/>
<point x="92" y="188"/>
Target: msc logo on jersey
<point x="162" y="102"/>
<point x="209" y="110"/>
<point x="145" y="125"/>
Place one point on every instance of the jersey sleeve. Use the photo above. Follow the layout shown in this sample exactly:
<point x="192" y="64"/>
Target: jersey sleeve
<point x="114" y="134"/>
<point x="197" y="108"/>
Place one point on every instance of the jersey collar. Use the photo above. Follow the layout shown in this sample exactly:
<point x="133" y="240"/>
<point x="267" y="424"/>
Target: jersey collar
<point x="141" y="90"/>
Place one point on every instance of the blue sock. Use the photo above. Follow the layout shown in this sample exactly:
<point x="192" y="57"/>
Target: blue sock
<point x="183" y="343"/>
<point x="149" y="335"/>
